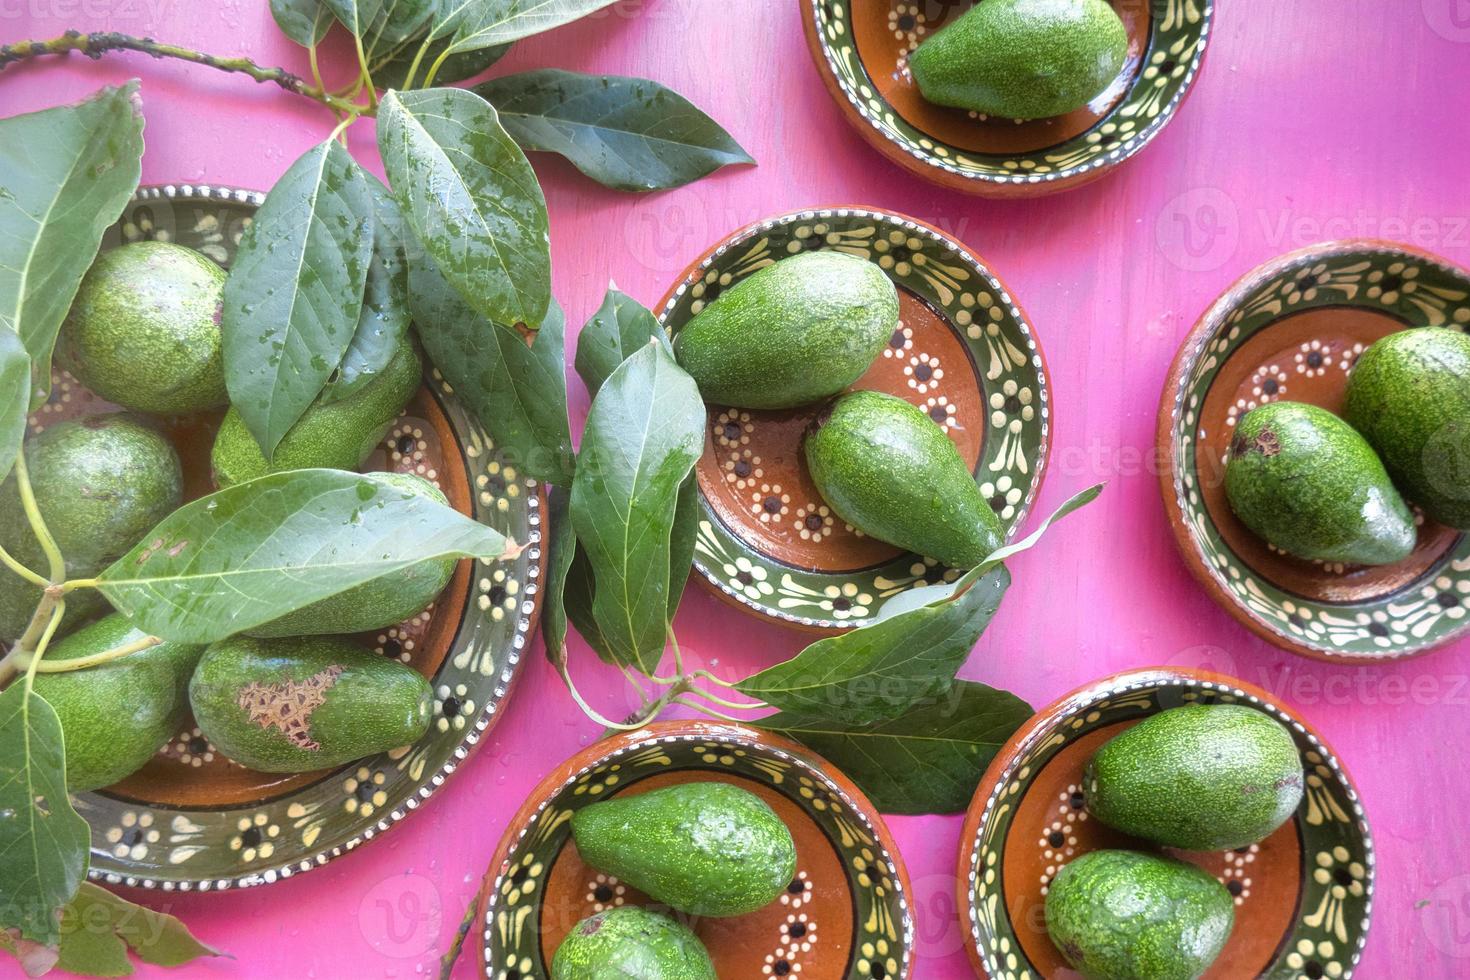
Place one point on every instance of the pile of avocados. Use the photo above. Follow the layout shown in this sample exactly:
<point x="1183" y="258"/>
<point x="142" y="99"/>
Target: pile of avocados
<point x="1203" y="777"/>
<point x="700" y="849"/>
<point x="295" y="695"/>
<point x="1338" y="489"/>
<point x="800" y="332"/>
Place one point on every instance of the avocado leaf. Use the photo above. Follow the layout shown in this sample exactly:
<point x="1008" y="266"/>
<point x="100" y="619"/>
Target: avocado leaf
<point x="258" y="550"/>
<point x="390" y="67"/>
<point x="69" y="172"/>
<point x="471" y="198"/>
<point x="15" y="396"/>
<point x="630" y="134"/>
<point x="644" y="433"/>
<point x="475" y="24"/>
<point x="356" y="15"/>
<point x="98" y="928"/>
<point x="304" y="21"/>
<point x="294" y="294"/>
<point x="621" y="327"/>
<point x="397" y="21"/>
<point x="561" y="549"/>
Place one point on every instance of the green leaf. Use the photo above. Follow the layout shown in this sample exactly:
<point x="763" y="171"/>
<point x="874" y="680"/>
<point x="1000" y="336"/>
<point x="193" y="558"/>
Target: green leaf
<point x="927" y="760"/>
<point x="68" y="173"/>
<point x="392" y="70"/>
<point x="518" y="392"/>
<point x="471" y="198"/>
<point x="304" y="21"/>
<point x="481" y="23"/>
<point x="397" y="22"/>
<point x="43" y="843"/>
<point x="98" y="928"/>
<point x="294" y="294"/>
<point x="630" y="134"/>
<point x="356" y="15"/>
<point x="15" y="397"/>
<point x="579" y="598"/>
<point x="257" y="550"/>
<point x="620" y="328"/>
<point x="560" y="552"/>
<point x="681" y="542"/>
<point x="644" y="433"/>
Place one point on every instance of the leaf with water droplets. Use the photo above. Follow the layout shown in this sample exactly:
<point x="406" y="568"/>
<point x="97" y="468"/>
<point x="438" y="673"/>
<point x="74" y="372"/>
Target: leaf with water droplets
<point x="356" y="15"/>
<point x="304" y="21"/>
<point x="477" y="24"/>
<point x="15" y="395"/>
<point x="621" y="327"/>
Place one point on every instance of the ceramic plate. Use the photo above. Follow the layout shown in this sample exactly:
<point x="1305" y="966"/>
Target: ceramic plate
<point x="1293" y="329"/>
<point x="862" y="48"/>
<point x="964" y="353"/>
<point x="191" y="819"/>
<point x="1302" y="896"/>
<point x="845" y="916"/>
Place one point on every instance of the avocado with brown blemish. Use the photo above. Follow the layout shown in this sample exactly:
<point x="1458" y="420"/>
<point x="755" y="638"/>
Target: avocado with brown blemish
<point x="628" y="942"/>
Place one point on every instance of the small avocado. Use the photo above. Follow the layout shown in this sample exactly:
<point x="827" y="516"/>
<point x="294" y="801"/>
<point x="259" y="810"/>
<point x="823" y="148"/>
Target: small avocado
<point x="117" y="714"/>
<point x="1304" y="480"/>
<point x="1023" y="59"/>
<point x="631" y="943"/>
<point x="792" y="333"/>
<point x="702" y="848"/>
<point x="301" y="704"/>
<point x="380" y="602"/>
<point x="144" y="329"/>
<point x="335" y="435"/>
<point x="1199" y="778"/>
<point x="101" y="482"/>
<point x="889" y="470"/>
<point x="1409" y="395"/>
<point x="1124" y="915"/>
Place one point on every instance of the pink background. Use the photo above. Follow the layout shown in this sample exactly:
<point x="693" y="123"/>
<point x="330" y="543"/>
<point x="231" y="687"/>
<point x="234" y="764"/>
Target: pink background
<point x="1312" y="120"/>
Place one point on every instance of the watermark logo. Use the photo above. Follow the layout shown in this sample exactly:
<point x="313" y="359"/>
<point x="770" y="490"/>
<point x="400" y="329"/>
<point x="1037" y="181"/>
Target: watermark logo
<point x="402" y="917"/>
<point x="1199" y="230"/>
<point x="1450" y="19"/>
<point x="1445" y="917"/>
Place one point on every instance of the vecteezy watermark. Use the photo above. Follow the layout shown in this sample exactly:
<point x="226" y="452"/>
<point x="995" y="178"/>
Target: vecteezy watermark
<point x="1199" y="230"/>
<point x="402" y="917"/>
<point x="1333" y="685"/>
<point x="1445" y="916"/>
<point x="1450" y="19"/>
<point x="93" y="13"/>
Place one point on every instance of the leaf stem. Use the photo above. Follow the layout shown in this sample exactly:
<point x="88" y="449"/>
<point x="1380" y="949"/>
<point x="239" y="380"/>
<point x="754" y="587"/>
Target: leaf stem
<point x="413" y="66"/>
<point x="365" y="74"/>
<point x="72" y="584"/>
<point x="38" y="523"/>
<point x="644" y="715"/>
<point x="97" y="659"/>
<point x="434" y="68"/>
<point x="35" y="578"/>
<point x="342" y="126"/>
<point x="678" y="654"/>
<point x="39" y="651"/>
<point x="707" y="710"/>
<point x="446" y="962"/>
<point x="723" y="702"/>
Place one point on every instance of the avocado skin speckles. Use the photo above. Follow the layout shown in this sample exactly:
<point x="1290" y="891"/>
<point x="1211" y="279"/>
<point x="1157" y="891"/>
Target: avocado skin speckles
<point x="631" y="942"/>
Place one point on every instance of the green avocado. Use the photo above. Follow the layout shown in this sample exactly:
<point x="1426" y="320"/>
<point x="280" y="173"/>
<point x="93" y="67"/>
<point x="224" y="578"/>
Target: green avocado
<point x="1409" y="395"/>
<point x="297" y="705"/>
<point x="101" y="482"/>
<point x="336" y="435"/>
<point x="144" y="329"/>
<point x="1023" y="59"/>
<point x="380" y="602"/>
<point x="889" y="470"/>
<point x="792" y="333"/>
<point x="631" y="943"/>
<point x="1123" y="915"/>
<point x="1304" y="480"/>
<point x="702" y="848"/>
<point x="117" y="714"/>
<point x="1199" y="778"/>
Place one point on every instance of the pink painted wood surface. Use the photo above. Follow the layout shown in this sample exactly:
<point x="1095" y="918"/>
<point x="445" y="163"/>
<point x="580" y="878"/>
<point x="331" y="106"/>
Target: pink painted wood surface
<point x="1312" y="120"/>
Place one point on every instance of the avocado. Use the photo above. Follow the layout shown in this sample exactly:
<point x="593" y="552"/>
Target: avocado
<point x="701" y="848"/>
<point x="117" y="714"/>
<point x="1199" y="778"/>
<point x="1123" y="915"/>
<point x="1022" y="59"/>
<point x="144" y="329"/>
<point x="101" y="482"/>
<point x="889" y="470"/>
<point x="1304" y="480"/>
<point x="378" y="603"/>
<point x="300" y="704"/>
<point x="335" y="435"/>
<point x="1409" y="395"/>
<point x="631" y="943"/>
<point x="792" y="333"/>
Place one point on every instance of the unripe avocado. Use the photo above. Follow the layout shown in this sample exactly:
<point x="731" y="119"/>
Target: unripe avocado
<point x="1199" y="778"/>
<point x="336" y="435"/>
<point x="792" y="333"/>
<point x="101" y="482"/>
<point x="1123" y="915"/>
<point x="1304" y="480"/>
<point x="702" y="848"/>
<point x="296" y="705"/>
<point x="144" y="329"/>
<point x="381" y="602"/>
<point x="631" y="943"/>
<point x="889" y="470"/>
<point x="117" y="714"/>
<point x="1409" y="395"/>
<point x="1023" y="59"/>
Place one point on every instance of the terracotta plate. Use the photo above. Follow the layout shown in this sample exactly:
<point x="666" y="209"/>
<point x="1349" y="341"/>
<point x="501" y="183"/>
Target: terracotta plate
<point x="964" y="352"/>
<point x="1292" y="329"/>
<point x="845" y="916"/>
<point x="862" y="48"/>
<point x="191" y="819"/>
<point x="1302" y="896"/>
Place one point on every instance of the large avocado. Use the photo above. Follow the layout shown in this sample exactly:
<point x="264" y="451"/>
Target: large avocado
<point x="631" y="943"/>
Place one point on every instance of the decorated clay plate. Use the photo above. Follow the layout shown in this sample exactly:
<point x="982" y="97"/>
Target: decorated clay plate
<point x="1302" y="896"/>
<point x="1292" y="329"/>
<point x="862" y="50"/>
<point x="847" y="914"/>
<point x="964" y="352"/>
<point x="192" y="819"/>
